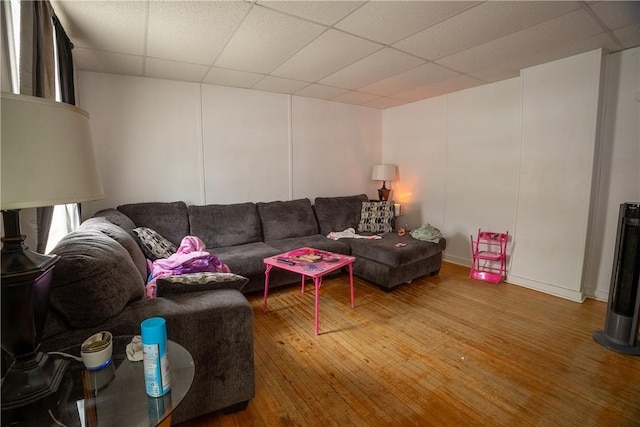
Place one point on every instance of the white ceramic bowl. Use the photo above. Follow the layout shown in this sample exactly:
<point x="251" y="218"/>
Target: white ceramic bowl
<point x="96" y="350"/>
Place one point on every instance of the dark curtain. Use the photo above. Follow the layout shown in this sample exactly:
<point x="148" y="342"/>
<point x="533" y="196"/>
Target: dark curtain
<point x="65" y="63"/>
<point x="37" y="69"/>
<point x="37" y="77"/>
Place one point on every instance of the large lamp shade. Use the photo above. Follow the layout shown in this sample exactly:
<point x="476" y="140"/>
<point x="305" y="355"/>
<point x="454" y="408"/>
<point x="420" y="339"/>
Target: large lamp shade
<point x="47" y="154"/>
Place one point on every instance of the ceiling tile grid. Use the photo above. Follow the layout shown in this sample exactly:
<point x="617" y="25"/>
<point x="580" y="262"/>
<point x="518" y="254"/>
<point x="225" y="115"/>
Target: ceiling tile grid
<point x="329" y="52"/>
<point x="389" y="21"/>
<point x="265" y="40"/>
<point x="194" y="32"/>
<point x="378" y="66"/>
<point x="374" y="53"/>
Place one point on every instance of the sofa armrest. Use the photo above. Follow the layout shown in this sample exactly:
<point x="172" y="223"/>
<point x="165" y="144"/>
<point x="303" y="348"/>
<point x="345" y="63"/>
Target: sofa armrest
<point x="216" y="327"/>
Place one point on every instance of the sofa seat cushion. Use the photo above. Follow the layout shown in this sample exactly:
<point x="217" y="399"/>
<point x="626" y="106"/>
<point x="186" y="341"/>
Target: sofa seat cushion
<point x="94" y="279"/>
<point x="169" y="219"/>
<point x="245" y="260"/>
<point x="225" y="225"/>
<point x="338" y="213"/>
<point x="281" y="220"/>
<point x="316" y="241"/>
<point x="384" y="250"/>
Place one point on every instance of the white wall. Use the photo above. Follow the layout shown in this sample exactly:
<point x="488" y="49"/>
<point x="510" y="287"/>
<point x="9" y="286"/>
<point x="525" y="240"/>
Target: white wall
<point x="559" y="133"/>
<point x="482" y="163"/>
<point x="620" y="160"/>
<point x="436" y="143"/>
<point x="147" y="138"/>
<point x="161" y="140"/>
<point x="458" y="159"/>
<point x="245" y="145"/>
<point x="414" y="138"/>
<point x="334" y="147"/>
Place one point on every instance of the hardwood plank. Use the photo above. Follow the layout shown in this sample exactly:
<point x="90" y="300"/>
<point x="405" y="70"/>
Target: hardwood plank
<point x="443" y="350"/>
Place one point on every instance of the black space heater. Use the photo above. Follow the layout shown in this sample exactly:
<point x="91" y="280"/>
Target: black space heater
<point x="623" y="309"/>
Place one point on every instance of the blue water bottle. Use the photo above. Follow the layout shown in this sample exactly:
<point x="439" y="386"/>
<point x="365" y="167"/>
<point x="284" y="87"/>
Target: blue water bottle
<point x="155" y="358"/>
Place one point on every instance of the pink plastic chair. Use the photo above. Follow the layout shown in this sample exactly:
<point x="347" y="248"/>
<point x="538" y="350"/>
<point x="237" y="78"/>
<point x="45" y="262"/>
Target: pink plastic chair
<point x="489" y="251"/>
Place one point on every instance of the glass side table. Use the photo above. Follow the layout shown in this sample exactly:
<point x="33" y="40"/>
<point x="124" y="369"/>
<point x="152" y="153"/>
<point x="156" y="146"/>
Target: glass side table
<point x="115" y="395"/>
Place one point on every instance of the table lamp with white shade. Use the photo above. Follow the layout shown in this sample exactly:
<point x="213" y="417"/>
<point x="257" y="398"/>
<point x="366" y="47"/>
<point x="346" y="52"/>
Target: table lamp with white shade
<point x="383" y="173"/>
<point x="47" y="159"/>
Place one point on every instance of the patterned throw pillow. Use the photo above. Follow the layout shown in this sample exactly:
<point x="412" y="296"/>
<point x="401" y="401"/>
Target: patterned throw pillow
<point x="195" y="282"/>
<point x="376" y="217"/>
<point x="154" y="245"/>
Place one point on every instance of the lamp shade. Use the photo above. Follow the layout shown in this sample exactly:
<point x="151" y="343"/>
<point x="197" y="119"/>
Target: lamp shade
<point x="47" y="154"/>
<point x="383" y="173"/>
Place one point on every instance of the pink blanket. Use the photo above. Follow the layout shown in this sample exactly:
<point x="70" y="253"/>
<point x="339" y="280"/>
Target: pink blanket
<point x="191" y="257"/>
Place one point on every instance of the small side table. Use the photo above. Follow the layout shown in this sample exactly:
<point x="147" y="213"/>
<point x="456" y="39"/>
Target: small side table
<point x="315" y="270"/>
<point x="116" y="396"/>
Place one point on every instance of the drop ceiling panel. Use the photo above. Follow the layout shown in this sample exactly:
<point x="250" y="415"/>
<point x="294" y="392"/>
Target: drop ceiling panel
<point x="558" y="31"/>
<point x="172" y="70"/>
<point x="321" y="91"/>
<point x="323" y="12"/>
<point x="226" y="77"/>
<point x="617" y="14"/>
<point x="382" y="103"/>
<point x="439" y="88"/>
<point x="104" y="25"/>
<point x="107" y="62"/>
<point x="192" y="32"/>
<point x="265" y="39"/>
<point x="278" y="84"/>
<point x="629" y="36"/>
<point x="480" y="24"/>
<point x="377" y="66"/>
<point x="512" y="68"/>
<point x="328" y="53"/>
<point x="390" y="21"/>
<point x="354" y="97"/>
<point x="414" y="78"/>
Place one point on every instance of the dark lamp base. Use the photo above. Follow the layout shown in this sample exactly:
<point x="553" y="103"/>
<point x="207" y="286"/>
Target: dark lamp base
<point x="32" y="381"/>
<point x="33" y="378"/>
<point x="383" y="193"/>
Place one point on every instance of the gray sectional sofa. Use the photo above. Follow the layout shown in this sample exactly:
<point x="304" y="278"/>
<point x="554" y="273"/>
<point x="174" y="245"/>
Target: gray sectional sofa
<point x="98" y="284"/>
<point x="243" y="234"/>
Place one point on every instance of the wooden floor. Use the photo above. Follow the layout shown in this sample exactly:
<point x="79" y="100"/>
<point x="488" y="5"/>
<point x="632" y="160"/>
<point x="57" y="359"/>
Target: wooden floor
<point x="441" y="351"/>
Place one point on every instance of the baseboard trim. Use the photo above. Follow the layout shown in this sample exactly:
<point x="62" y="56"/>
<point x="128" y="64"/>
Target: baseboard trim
<point x="547" y="288"/>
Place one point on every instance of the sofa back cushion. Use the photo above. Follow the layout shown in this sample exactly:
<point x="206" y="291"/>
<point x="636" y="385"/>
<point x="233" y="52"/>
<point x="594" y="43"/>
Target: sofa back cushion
<point x="339" y="213"/>
<point x="220" y="226"/>
<point x="171" y="220"/>
<point x="282" y="220"/>
<point x="93" y="280"/>
<point x="125" y="239"/>
<point x="116" y="217"/>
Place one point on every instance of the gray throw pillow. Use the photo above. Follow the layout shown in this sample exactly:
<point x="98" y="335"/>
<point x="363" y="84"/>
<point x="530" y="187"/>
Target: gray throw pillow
<point x="376" y="217"/>
<point x="154" y="245"/>
<point x="195" y="282"/>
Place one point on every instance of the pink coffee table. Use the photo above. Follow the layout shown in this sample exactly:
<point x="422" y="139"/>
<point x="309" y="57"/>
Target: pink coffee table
<point x="309" y="262"/>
